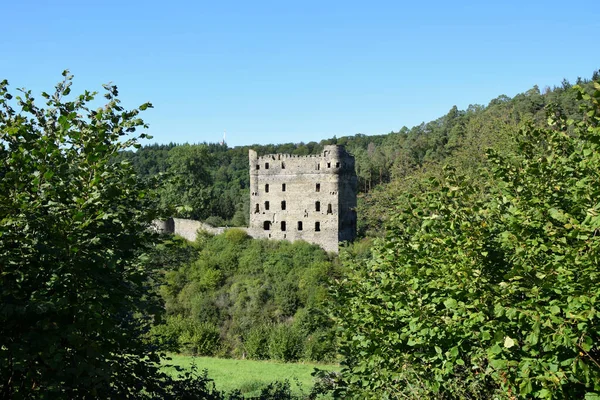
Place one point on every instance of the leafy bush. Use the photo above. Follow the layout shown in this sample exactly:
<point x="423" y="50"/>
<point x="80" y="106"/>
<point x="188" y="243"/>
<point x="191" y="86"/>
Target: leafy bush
<point x="201" y="339"/>
<point x="76" y="298"/>
<point x="285" y="343"/>
<point x="256" y="343"/>
<point x="320" y="346"/>
<point x="493" y="293"/>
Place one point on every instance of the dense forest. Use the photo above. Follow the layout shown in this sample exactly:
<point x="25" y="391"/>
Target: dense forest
<point x="475" y="274"/>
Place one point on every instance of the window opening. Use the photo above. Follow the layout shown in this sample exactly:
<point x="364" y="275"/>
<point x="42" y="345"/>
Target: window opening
<point x="329" y="209"/>
<point x="267" y="225"/>
<point x="317" y="206"/>
<point x="266" y="205"/>
<point x="318" y="166"/>
<point x="282" y="165"/>
<point x="317" y="227"/>
<point x="318" y="187"/>
<point x="283" y="205"/>
<point x="299" y="225"/>
<point x="283" y="226"/>
<point x="283" y="187"/>
<point x="337" y="164"/>
<point x="256" y="209"/>
<point x="328" y="165"/>
<point x="257" y="166"/>
<point x="267" y="188"/>
<point x="266" y="165"/>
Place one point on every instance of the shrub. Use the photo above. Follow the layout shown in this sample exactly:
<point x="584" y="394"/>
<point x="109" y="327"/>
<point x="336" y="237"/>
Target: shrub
<point x="236" y="236"/>
<point x="285" y="343"/>
<point x="201" y="339"/>
<point x="320" y="346"/>
<point x="76" y="295"/>
<point x="257" y="342"/>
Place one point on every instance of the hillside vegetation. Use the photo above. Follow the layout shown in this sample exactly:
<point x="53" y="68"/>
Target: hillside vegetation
<point x="238" y="297"/>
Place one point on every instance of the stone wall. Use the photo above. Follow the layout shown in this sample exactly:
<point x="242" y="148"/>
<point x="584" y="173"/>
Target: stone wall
<point x="186" y="228"/>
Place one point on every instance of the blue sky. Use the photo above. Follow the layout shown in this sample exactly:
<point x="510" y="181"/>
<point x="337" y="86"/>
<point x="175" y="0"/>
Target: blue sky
<point x="291" y="71"/>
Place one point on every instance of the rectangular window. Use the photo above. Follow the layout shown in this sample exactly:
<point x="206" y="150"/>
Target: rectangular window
<point x="267" y="188"/>
<point x="317" y="206"/>
<point x="299" y="225"/>
<point x="283" y="226"/>
<point x="267" y="225"/>
<point x="283" y="187"/>
<point x="328" y="165"/>
<point x="257" y="166"/>
<point x="318" y="187"/>
<point x="282" y="165"/>
<point x="266" y="205"/>
<point x="337" y="164"/>
<point x="317" y="227"/>
<point x="283" y="205"/>
<point x="266" y="165"/>
<point x="329" y="209"/>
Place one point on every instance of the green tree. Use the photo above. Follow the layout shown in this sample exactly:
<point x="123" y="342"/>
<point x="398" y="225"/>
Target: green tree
<point x="189" y="183"/>
<point x="487" y="291"/>
<point x="75" y="298"/>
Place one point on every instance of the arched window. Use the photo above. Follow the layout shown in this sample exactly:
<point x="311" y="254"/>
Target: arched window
<point x="266" y="205"/>
<point x="329" y="209"/>
<point x="317" y="206"/>
<point x="283" y="226"/>
<point x="267" y="225"/>
<point x="283" y="205"/>
<point x="299" y="225"/>
<point x="317" y="227"/>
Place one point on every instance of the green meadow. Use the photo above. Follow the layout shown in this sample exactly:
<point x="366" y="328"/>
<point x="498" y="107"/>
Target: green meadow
<point x="249" y="376"/>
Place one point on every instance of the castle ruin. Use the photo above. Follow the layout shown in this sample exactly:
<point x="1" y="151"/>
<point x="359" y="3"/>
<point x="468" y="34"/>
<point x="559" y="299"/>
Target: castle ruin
<point x="311" y="198"/>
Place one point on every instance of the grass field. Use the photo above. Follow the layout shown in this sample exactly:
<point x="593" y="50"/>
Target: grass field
<point x="250" y="376"/>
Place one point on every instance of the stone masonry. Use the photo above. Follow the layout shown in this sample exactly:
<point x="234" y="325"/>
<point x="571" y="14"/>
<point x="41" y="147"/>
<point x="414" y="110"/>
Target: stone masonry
<point x="311" y="198"/>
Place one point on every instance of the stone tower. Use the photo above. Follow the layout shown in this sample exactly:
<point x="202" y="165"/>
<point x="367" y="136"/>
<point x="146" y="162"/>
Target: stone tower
<point x="312" y="198"/>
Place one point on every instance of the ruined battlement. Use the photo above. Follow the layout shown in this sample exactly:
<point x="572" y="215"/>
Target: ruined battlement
<point x="310" y="198"/>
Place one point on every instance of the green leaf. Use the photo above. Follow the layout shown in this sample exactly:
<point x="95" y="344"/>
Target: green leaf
<point x="508" y="342"/>
<point x="450" y="303"/>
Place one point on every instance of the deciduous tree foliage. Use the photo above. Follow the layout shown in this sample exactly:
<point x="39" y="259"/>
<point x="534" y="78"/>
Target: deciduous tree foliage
<point x="263" y="298"/>
<point x="488" y="293"/>
<point x="74" y="292"/>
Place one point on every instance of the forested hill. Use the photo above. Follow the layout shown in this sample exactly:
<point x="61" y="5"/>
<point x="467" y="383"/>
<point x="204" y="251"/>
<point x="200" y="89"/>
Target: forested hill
<point x="210" y="181"/>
